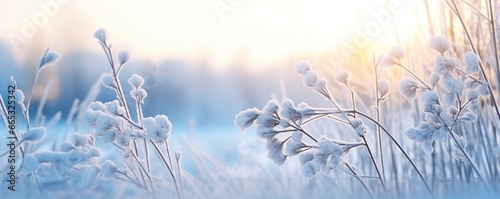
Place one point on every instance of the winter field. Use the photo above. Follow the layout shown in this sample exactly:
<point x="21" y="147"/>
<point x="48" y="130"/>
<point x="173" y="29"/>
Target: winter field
<point x="250" y="99"/>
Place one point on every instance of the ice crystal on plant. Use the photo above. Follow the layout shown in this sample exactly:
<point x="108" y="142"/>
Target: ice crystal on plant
<point x="49" y="57"/>
<point x="310" y="78"/>
<point x="136" y="81"/>
<point x="123" y="57"/>
<point x="383" y="87"/>
<point x="439" y="43"/>
<point x="101" y="35"/>
<point x="472" y="62"/>
<point x="302" y="67"/>
<point x="443" y="65"/>
<point x="275" y="147"/>
<point x="19" y="95"/>
<point x="108" y="81"/>
<point x="342" y="77"/>
<point x="35" y="134"/>
<point x="408" y="87"/>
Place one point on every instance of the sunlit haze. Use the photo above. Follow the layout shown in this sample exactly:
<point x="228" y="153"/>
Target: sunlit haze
<point x="218" y="32"/>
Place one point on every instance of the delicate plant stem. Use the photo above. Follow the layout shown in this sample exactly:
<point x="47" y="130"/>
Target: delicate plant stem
<point x="374" y="162"/>
<point x="377" y="108"/>
<point x="360" y="180"/>
<point x="399" y="147"/>
<point x="168" y="167"/>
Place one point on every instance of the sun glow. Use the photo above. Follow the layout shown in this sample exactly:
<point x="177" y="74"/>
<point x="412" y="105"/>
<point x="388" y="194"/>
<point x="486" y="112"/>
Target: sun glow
<point x="225" y="32"/>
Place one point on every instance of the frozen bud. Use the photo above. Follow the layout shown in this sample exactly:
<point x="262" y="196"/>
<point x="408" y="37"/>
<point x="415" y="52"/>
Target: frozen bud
<point x="108" y="168"/>
<point x="392" y="57"/>
<point x="139" y="94"/>
<point x="443" y="65"/>
<point x="408" y="87"/>
<point x="359" y="127"/>
<point x="136" y="81"/>
<point x="163" y="122"/>
<point x="155" y="131"/>
<point x="271" y="107"/>
<point x="472" y="62"/>
<point x="246" y="118"/>
<point x="326" y="146"/>
<point x="301" y="68"/>
<point x="30" y="163"/>
<point x="431" y="99"/>
<point x="266" y="120"/>
<point x="434" y="79"/>
<point x="453" y="84"/>
<point x="108" y="81"/>
<point x="342" y="77"/>
<point x="309" y="169"/>
<point x="275" y="147"/>
<point x="114" y="108"/>
<point x="396" y="52"/>
<point x="178" y="155"/>
<point x="123" y="57"/>
<point x="107" y="126"/>
<point x="310" y="78"/>
<point x="19" y="95"/>
<point x="48" y="58"/>
<point x="383" y="87"/>
<point x="35" y="134"/>
<point x="320" y="85"/>
<point x="101" y="35"/>
<point x="97" y="106"/>
<point x="439" y="43"/>
<point x="288" y="111"/>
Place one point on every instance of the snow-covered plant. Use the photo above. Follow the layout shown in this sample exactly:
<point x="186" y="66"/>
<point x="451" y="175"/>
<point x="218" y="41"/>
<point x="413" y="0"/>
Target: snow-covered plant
<point x="451" y="98"/>
<point x="112" y="123"/>
<point x="284" y="127"/>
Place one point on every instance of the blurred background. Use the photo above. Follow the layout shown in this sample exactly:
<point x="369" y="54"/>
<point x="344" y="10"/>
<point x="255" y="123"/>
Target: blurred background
<point x="203" y="61"/>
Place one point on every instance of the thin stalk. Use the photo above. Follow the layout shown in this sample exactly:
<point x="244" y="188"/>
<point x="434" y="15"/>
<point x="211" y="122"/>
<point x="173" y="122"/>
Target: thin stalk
<point x="374" y="163"/>
<point x="360" y="180"/>
<point x="377" y="107"/>
<point x="399" y="147"/>
<point x="494" y="35"/>
<point x="168" y="167"/>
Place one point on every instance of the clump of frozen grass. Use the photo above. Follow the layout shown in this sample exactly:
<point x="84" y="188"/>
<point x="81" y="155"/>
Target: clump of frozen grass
<point x="453" y="98"/>
<point x="284" y="127"/>
<point x="112" y="123"/>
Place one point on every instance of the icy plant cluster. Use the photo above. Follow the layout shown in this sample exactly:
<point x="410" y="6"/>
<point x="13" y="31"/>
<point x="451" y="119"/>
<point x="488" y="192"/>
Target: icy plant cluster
<point x="77" y="166"/>
<point x="73" y="167"/>
<point x="112" y="123"/>
<point x="281" y="125"/>
<point x="284" y="127"/>
<point x="452" y="96"/>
